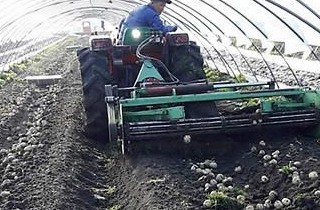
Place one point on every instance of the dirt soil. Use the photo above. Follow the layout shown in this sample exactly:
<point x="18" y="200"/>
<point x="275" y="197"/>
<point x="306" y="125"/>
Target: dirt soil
<point x="47" y="163"/>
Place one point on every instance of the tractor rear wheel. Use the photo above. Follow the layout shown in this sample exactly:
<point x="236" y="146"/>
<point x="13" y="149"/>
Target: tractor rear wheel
<point x="95" y="76"/>
<point x="187" y="62"/>
<point x="187" y="65"/>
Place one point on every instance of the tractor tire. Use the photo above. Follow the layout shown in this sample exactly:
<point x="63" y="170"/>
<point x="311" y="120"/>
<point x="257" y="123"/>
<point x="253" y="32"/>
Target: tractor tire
<point x="186" y="63"/>
<point x="95" y="76"/>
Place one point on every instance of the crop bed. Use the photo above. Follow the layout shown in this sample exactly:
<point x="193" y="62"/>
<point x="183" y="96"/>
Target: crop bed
<point x="47" y="163"/>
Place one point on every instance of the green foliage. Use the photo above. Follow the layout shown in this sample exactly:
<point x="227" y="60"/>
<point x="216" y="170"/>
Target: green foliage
<point x="222" y="200"/>
<point x="253" y="102"/>
<point x="276" y="98"/>
<point x="213" y="75"/>
<point x="236" y="191"/>
<point x="285" y="170"/>
<point x="14" y="70"/>
<point x="115" y="207"/>
<point x="21" y="67"/>
<point x="241" y="78"/>
<point x="218" y="198"/>
<point x="6" y="76"/>
<point x="2" y="82"/>
<point x="111" y="190"/>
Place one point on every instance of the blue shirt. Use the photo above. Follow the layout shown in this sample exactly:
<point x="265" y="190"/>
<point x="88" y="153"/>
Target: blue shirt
<point x="146" y="16"/>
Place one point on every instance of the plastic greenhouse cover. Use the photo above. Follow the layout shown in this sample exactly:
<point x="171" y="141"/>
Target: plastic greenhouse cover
<point x="295" y="22"/>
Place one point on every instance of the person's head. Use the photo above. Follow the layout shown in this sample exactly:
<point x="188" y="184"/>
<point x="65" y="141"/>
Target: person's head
<point x="159" y="5"/>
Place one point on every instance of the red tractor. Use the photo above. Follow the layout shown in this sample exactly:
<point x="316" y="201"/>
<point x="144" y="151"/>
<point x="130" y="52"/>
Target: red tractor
<point x="174" y="57"/>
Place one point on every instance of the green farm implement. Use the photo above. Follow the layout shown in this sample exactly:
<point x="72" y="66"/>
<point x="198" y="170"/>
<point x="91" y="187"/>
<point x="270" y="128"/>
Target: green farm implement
<point x="150" y="86"/>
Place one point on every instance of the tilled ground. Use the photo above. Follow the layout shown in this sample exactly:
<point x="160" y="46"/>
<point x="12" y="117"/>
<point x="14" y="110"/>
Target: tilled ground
<point x="47" y="163"/>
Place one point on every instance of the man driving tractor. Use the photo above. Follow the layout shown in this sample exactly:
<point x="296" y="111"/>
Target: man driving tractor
<point x="147" y="16"/>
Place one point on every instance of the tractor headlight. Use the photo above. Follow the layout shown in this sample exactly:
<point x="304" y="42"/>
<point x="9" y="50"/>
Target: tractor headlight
<point x="136" y="33"/>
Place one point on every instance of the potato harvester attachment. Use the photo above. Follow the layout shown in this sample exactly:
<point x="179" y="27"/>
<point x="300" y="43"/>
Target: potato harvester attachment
<point x="156" y="88"/>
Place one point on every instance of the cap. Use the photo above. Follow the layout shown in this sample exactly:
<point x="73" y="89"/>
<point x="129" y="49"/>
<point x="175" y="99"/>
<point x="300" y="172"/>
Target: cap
<point x="165" y="1"/>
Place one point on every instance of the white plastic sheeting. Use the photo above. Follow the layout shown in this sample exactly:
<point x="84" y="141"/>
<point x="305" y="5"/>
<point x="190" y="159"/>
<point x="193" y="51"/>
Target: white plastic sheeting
<point x="295" y="22"/>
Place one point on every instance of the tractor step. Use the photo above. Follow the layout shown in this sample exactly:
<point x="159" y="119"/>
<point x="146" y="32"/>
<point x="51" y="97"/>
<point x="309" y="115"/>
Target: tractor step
<point x="73" y="47"/>
<point x="44" y="80"/>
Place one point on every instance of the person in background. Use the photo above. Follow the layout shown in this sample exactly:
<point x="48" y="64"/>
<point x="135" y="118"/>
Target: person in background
<point x="147" y="16"/>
